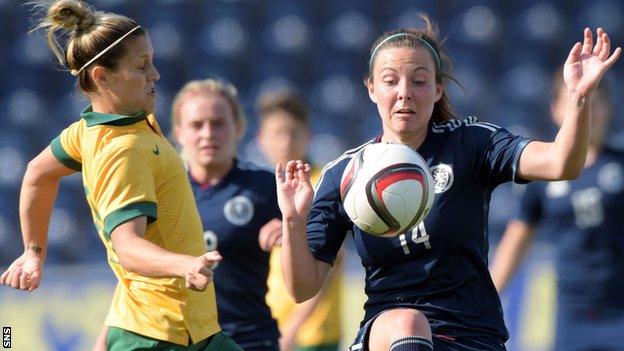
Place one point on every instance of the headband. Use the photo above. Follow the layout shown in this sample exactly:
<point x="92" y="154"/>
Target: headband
<point x="75" y="73"/>
<point x="426" y="43"/>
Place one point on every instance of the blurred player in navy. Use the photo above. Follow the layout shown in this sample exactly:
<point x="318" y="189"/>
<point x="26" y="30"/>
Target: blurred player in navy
<point x="583" y="217"/>
<point x="430" y="288"/>
<point x="315" y="325"/>
<point x="235" y="199"/>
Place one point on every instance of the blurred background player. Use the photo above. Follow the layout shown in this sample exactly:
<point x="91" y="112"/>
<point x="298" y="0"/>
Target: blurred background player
<point x="235" y="200"/>
<point x="135" y="185"/>
<point x="430" y="288"/>
<point x="314" y="325"/>
<point x="582" y="216"/>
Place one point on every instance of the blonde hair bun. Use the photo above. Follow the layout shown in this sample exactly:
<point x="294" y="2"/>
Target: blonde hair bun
<point x="71" y="15"/>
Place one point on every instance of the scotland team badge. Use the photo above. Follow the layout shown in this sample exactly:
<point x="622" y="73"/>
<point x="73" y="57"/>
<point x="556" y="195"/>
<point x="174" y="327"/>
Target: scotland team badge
<point x="238" y="210"/>
<point x="442" y="176"/>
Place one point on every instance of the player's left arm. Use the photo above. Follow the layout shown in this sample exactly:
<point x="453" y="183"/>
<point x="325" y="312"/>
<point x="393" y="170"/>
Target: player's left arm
<point x="565" y="156"/>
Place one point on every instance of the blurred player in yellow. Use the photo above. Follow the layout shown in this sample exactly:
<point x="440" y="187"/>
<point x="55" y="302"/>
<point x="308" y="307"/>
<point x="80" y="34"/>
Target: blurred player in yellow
<point x="135" y="184"/>
<point x="314" y="325"/>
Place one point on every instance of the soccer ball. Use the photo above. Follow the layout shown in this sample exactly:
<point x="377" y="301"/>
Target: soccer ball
<point x="387" y="189"/>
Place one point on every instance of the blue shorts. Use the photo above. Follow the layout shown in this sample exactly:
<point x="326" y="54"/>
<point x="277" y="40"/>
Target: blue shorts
<point x="440" y="342"/>
<point x="589" y="329"/>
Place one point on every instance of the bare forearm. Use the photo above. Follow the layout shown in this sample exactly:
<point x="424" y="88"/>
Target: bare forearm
<point x="572" y="140"/>
<point x="301" y="274"/>
<point x="509" y="253"/>
<point x="564" y="157"/>
<point x="141" y="256"/>
<point x="37" y="198"/>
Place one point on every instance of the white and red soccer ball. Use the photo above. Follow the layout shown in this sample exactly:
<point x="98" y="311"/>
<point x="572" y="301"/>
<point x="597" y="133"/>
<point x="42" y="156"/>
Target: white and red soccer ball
<point x="387" y="189"/>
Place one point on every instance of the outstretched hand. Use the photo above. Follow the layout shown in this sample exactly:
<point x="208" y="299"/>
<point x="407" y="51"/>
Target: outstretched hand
<point x="587" y="63"/>
<point x="24" y="273"/>
<point x="294" y="190"/>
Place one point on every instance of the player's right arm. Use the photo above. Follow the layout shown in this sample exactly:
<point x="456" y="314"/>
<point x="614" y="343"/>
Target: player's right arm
<point x="37" y="197"/>
<point x="141" y="256"/>
<point x="510" y="252"/>
<point x="304" y="275"/>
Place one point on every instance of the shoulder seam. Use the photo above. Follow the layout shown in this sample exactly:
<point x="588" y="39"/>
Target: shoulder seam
<point x="331" y="164"/>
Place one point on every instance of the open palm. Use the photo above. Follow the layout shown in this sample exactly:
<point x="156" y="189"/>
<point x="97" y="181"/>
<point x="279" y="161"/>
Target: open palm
<point x="587" y="63"/>
<point x="294" y="190"/>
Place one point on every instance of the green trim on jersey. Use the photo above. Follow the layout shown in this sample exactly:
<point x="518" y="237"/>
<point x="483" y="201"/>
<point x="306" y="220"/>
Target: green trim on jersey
<point x="126" y="213"/>
<point x="97" y="118"/>
<point x="63" y="156"/>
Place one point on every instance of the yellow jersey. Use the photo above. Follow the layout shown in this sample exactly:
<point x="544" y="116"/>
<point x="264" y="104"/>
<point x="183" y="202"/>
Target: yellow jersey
<point x="130" y="170"/>
<point x="323" y="326"/>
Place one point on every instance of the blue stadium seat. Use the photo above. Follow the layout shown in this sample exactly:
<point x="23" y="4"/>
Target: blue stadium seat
<point x="352" y="31"/>
<point x="10" y="239"/>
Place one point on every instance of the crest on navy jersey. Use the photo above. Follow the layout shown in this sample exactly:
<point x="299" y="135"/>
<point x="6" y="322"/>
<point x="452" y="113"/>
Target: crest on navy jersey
<point x="238" y="210"/>
<point x="611" y="178"/>
<point x="211" y="240"/>
<point x="442" y="176"/>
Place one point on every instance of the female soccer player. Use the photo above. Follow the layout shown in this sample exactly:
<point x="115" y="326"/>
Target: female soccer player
<point x="582" y="215"/>
<point x="430" y="288"/>
<point x="235" y="200"/>
<point x="136" y="187"/>
<point x="314" y="325"/>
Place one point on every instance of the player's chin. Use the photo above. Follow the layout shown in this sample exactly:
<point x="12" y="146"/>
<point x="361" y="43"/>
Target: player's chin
<point x="405" y="127"/>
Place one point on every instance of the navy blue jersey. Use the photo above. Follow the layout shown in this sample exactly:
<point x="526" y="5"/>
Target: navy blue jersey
<point x="232" y="213"/>
<point x="583" y="217"/>
<point x="440" y="267"/>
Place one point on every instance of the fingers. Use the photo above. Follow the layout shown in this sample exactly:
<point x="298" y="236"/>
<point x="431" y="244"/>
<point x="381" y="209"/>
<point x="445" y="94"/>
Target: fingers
<point x="4" y="276"/>
<point x="290" y="170"/>
<point x="24" y="281"/>
<point x="273" y="240"/>
<point x="606" y="47"/>
<point x="35" y="279"/>
<point x="279" y="173"/>
<point x="15" y="278"/>
<point x="212" y="258"/>
<point x="614" y="57"/>
<point x="270" y="234"/>
<point x="575" y="52"/>
<point x="599" y="41"/>
<point x="588" y="41"/>
<point x="206" y="272"/>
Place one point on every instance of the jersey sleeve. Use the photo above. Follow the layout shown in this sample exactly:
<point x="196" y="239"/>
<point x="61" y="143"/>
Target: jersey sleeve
<point x="123" y="188"/>
<point x="67" y="146"/>
<point x="328" y="223"/>
<point x="498" y="152"/>
<point x="530" y="207"/>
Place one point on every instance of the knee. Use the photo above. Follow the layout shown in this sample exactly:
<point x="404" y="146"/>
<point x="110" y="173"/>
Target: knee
<point x="409" y="322"/>
<point x="398" y="323"/>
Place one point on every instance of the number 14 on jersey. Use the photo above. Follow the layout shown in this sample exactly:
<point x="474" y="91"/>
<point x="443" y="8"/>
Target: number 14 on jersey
<point x="418" y="235"/>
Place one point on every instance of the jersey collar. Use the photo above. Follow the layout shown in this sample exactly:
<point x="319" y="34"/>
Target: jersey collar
<point x="97" y="118"/>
